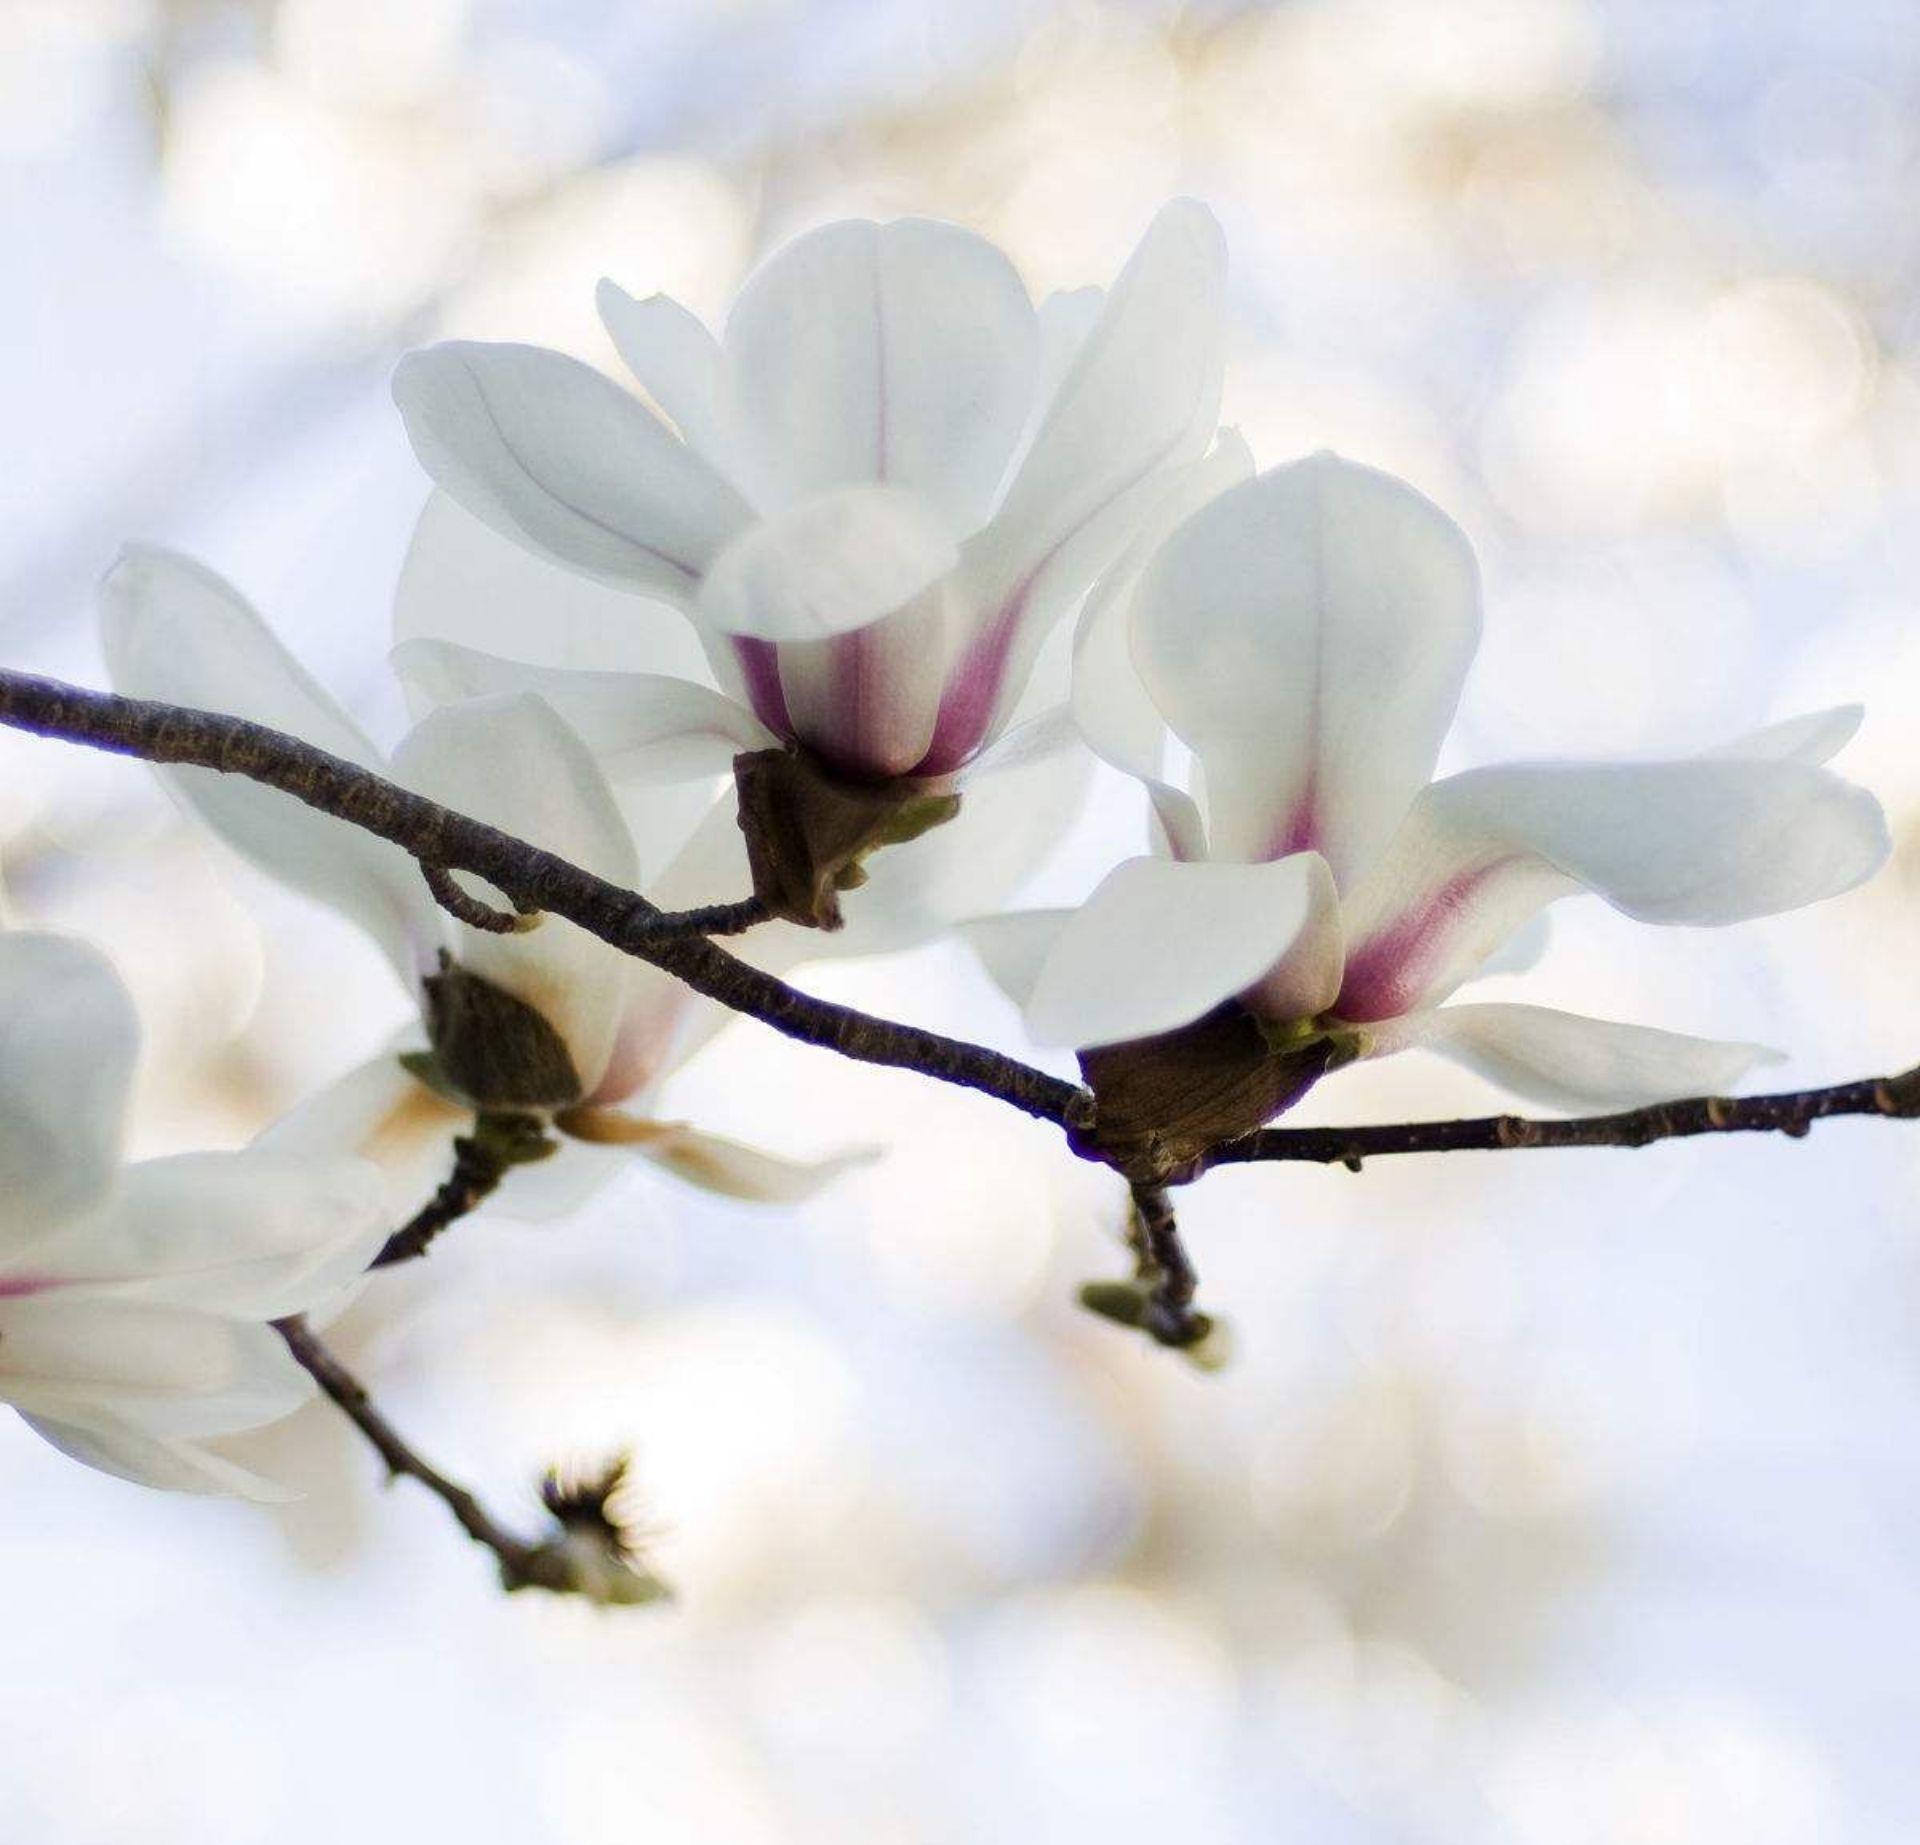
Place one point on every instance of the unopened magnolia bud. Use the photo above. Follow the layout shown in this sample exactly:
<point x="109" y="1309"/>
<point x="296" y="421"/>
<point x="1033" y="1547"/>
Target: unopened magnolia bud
<point x="492" y="1051"/>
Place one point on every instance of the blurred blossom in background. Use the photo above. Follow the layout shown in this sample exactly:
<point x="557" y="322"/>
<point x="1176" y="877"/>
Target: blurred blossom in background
<point x="1555" y="1499"/>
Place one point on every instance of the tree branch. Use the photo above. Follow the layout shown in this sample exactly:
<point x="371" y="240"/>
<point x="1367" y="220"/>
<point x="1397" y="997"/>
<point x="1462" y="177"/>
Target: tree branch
<point x="531" y="878"/>
<point x="1792" y="1112"/>
<point x="538" y="880"/>
<point x="522" y="1565"/>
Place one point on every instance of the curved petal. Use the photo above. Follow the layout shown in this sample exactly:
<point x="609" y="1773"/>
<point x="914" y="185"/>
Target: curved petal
<point x="379" y="1111"/>
<point x="257" y="1234"/>
<point x="463" y="582"/>
<point x="827" y="566"/>
<point x="1521" y="952"/>
<point x="1116" y="714"/>
<point x="113" y="1445"/>
<point x="1713" y="840"/>
<point x="68" y="1040"/>
<point x="511" y="762"/>
<point x="1159" y="945"/>
<point x="173" y="630"/>
<point x="1014" y="948"/>
<point x="677" y="361"/>
<point x="643" y="727"/>
<point x="868" y="701"/>
<point x="173" y="1373"/>
<point x="553" y="454"/>
<point x="1562" y="1060"/>
<point x="1067" y="318"/>
<point x="1306" y="980"/>
<point x="732" y="1169"/>
<point x="1307" y="635"/>
<point x="1815" y="737"/>
<point x="900" y="352"/>
<point x="1140" y="397"/>
<point x="1141" y="393"/>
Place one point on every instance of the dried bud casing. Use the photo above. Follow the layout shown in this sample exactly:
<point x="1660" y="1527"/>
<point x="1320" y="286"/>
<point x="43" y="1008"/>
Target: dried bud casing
<point x="492" y="1051"/>
<point x="1162" y="1103"/>
<point x="808" y="832"/>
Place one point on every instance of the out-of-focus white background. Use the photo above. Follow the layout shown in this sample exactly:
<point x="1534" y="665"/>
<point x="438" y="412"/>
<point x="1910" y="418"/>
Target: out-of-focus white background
<point x="1553" y="1499"/>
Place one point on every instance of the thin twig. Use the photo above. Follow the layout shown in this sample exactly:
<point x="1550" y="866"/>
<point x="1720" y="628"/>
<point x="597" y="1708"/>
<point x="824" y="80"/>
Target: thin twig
<point x="522" y="1565"/>
<point x="466" y="908"/>
<point x="1169" y="1315"/>
<point x="533" y="879"/>
<point x="1791" y="1112"/>
<point x="476" y="1176"/>
<point x="710" y="919"/>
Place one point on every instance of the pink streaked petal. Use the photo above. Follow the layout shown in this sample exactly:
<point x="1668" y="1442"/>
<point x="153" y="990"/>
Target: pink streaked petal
<point x="972" y="696"/>
<point x="868" y="701"/>
<point x="1392" y="970"/>
<point x="1709" y="841"/>
<point x="759" y="663"/>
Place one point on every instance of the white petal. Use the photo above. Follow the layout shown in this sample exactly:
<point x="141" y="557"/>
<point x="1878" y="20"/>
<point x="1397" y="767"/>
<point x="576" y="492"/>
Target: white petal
<point x="174" y="1373"/>
<point x="1521" y="952"/>
<point x="868" y="700"/>
<point x="828" y="565"/>
<point x="1031" y="740"/>
<point x="174" y="631"/>
<point x="388" y="1116"/>
<point x="469" y="586"/>
<point x="1816" y="737"/>
<point x="464" y="582"/>
<point x="380" y="1112"/>
<point x="113" y="1445"/>
<point x="902" y="352"/>
<point x="68" y="1041"/>
<point x="1306" y="979"/>
<point x="733" y="1170"/>
<point x="1159" y="944"/>
<point x="1307" y="635"/>
<point x="257" y="1234"/>
<point x="676" y="360"/>
<point x="512" y="763"/>
<point x="1562" y="1060"/>
<point x="1141" y="396"/>
<point x="1002" y="671"/>
<point x="1014" y="948"/>
<point x="643" y="727"/>
<point x="1714" y="840"/>
<point x="1067" y="319"/>
<point x="551" y="453"/>
<point x="1116" y="714"/>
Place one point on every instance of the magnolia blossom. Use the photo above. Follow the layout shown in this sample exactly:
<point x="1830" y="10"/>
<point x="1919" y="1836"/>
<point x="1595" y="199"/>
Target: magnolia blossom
<point x="1306" y="636"/>
<point x="175" y="631"/>
<point x="889" y="481"/>
<point x="135" y="1300"/>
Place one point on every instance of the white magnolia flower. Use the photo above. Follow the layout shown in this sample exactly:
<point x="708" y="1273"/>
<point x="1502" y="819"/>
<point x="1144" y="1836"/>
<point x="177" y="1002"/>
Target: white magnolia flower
<point x="891" y="478"/>
<point x="173" y="630"/>
<point x="581" y="649"/>
<point x="1306" y="636"/>
<point x="135" y="1300"/>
